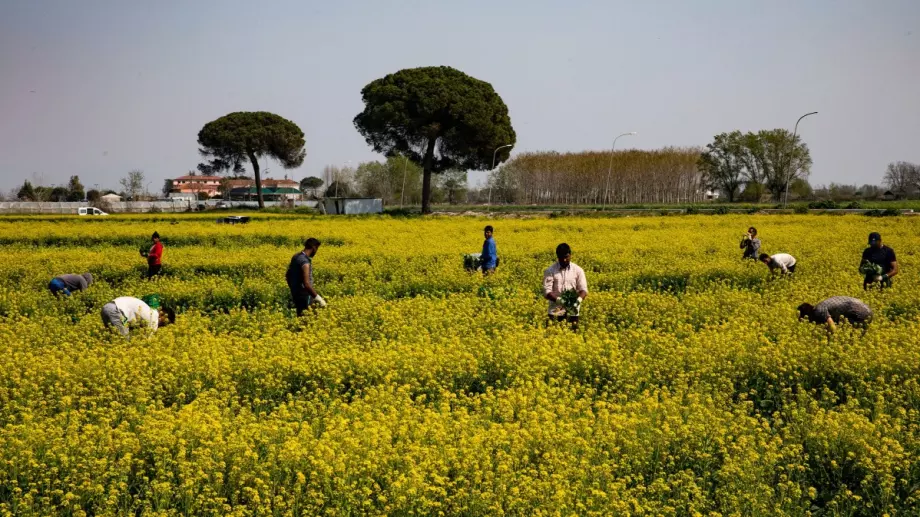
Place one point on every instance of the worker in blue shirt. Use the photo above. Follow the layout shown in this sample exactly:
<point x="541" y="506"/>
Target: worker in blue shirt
<point x="489" y="257"/>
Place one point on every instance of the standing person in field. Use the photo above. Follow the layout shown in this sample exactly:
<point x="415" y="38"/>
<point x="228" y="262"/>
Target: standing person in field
<point x="488" y="260"/>
<point x="784" y="262"/>
<point x="835" y="309"/>
<point x="750" y="244"/>
<point x="124" y="311"/>
<point x="878" y="263"/>
<point x="299" y="277"/>
<point x="154" y="256"/>
<point x="69" y="283"/>
<point x="564" y="276"/>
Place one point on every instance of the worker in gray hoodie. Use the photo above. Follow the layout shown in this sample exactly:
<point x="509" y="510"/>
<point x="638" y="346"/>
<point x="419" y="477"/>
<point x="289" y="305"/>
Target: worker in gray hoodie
<point x="68" y="283"/>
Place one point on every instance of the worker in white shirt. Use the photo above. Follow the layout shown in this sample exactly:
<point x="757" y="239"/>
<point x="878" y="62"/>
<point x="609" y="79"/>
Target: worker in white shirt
<point x="782" y="261"/>
<point x="564" y="276"/>
<point x="124" y="311"/>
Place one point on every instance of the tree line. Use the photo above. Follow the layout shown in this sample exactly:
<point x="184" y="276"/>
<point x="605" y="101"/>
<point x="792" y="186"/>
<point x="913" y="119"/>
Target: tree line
<point x="668" y="175"/>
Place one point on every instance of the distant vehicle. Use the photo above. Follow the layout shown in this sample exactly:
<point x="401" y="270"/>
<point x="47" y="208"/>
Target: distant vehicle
<point x="90" y="210"/>
<point x="202" y="207"/>
<point x="233" y="219"/>
<point x="223" y="204"/>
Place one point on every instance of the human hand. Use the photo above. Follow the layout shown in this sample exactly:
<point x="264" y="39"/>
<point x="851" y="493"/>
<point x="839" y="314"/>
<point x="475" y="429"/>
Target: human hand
<point x="320" y="301"/>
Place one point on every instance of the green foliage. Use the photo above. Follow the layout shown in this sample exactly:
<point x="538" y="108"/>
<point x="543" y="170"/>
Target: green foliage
<point x="235" y="138"/>
<point x="26" y="192"/>
<point x="722" y="163"/>
<point x="75" y="191"/>
<point x="310" y="184"/>
<point x="453" y="184"/>
<point x="826" y="204"/>
<point x="438" y="116"/>
<point x="396" y="181"/>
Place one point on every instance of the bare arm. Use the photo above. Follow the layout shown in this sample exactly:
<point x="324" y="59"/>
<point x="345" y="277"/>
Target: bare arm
<point x="306" y="280"/>
<point x="831" y="326"/>
<point x="894" y="269"/>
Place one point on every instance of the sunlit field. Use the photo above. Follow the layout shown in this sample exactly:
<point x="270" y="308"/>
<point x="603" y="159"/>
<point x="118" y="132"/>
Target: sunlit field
<point x="690" y="387"/>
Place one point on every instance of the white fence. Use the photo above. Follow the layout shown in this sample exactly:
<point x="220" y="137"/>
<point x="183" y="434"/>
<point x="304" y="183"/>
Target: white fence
<point x="52" y="208"/>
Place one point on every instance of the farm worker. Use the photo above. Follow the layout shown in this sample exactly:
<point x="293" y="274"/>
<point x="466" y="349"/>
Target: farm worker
<point x="125" y="310"/>
<point x="750" y="244"/>
<point x="836" y="308"/>
<point x="564" y="276"/>
<point x="154" y="256"/>
<point x="300" y="277"/>
<point x="69" y="283"/>
<point x="878" y="263"/>
<point x="782" y="261"/>
<point x="489" y="257"/>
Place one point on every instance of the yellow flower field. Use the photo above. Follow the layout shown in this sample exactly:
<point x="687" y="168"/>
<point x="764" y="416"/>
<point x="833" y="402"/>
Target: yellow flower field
<point x="689" y="389"/>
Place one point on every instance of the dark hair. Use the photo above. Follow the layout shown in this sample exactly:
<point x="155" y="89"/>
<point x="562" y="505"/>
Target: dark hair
<point x="563" y="250"/>
<point x="156" y="235"/>
<point x="489" y="229"/>
<point x="753" y="230"/>
<point x="170" y="314"/>
<point x="806" y="310"/>
<point x="311" y="243"/>
<point x="764" y="256"/>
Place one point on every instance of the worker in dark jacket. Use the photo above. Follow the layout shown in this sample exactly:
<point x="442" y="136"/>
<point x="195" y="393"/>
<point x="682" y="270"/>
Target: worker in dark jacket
<point x="878" y="263"/>
<point x="750" y="244"/>
<point x="299" y="277"/>
<point x="69" y="283"/>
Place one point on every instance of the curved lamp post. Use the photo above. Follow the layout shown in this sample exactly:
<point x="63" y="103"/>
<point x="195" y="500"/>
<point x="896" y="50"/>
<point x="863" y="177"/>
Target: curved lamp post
<point x="610" y="167"/>
<point x="794" y="134"/>
<point x="494" y="154"/>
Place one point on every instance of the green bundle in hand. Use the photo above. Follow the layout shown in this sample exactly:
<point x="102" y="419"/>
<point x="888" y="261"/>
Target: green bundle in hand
<point x="868" y="268"/>
<point x="571" y="302"/>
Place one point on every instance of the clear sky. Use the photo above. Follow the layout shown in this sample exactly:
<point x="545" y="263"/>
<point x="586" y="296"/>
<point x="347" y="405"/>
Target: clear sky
<point x="97" y="88"/>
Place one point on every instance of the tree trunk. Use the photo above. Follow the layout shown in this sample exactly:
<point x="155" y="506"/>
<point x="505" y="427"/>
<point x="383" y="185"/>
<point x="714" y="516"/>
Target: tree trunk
<point x="258" y="176"/>
<point x="426" y="178"/>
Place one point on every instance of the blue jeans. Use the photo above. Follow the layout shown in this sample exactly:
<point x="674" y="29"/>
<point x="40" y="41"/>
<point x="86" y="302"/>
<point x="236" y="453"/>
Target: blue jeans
<point x="56" y="286"/>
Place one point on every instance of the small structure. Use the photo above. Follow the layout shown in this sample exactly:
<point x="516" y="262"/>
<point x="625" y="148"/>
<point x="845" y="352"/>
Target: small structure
<point x="209" y="185"/>
<point x="353" y="205"/>
<point x="268" y="194"/>
<point x="889" y="196"/>
<point x="111" y="198"/>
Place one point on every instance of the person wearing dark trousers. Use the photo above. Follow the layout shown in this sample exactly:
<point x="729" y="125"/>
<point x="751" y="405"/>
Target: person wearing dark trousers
<point x="835" y="309"/>
<point x="488" y="260"/>
<point x="154" y="256"/>
<point x="67" y="284"/>
<point x="750" y="244"/>
<point x="784" y="262"/>
<point x="879" y="263"/>
<point x="299" y="278"/>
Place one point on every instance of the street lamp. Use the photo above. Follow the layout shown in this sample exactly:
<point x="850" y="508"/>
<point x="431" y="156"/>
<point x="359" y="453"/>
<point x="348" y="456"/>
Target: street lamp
<point x="405" y="171"/>
<point x="794" y="134"/>
<point x="494" y="154"/>
<point x="610" y="167"/>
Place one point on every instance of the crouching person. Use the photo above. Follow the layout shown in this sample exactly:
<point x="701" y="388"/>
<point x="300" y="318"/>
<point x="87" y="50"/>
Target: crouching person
<point x="69" y="283"/>
<point x="126" y="311"/>
<point x="835" y="309"/>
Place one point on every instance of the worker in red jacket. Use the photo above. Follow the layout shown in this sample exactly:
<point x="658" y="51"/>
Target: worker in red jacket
<point x="154" y="256"/>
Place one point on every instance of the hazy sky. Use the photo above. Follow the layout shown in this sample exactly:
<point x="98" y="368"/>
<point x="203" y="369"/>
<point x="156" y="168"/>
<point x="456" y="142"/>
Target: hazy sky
<point x="97" y="88"/>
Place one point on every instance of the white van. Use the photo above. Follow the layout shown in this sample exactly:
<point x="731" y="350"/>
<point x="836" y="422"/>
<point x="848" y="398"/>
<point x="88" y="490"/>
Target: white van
<point x="90" y="210"/>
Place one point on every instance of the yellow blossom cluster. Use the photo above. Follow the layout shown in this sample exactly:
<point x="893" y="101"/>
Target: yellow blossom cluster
<point x="690" y="388"/>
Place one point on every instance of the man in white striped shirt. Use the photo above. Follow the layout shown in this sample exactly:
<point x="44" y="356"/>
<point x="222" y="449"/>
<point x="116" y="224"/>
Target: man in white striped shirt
<point x="782" y="261"/>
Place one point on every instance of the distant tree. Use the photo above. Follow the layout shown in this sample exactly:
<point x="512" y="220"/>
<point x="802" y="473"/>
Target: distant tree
<point x="440" y="117"/>
<point x="453" y="184"/>
<point x="869" y="191"/>
<point x="902" y="177"/>
<point x="93" y="195"/>
<point x="841" y="192"/>
<point x="339" y="189"/>
<point x="75" y="190"/>
<point x="132" y="184"/>
<point x="753" y="192"/>
<point x="26" y="192"/>
<point x="58" y="194"/>
<point x="801" y="189"/>
<point x="167" y="187"/>
<point x="310" y="184"/>
<point x="777" y="159"/>
<point x="232" y="139"/>
<point x="722" y="164"/>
